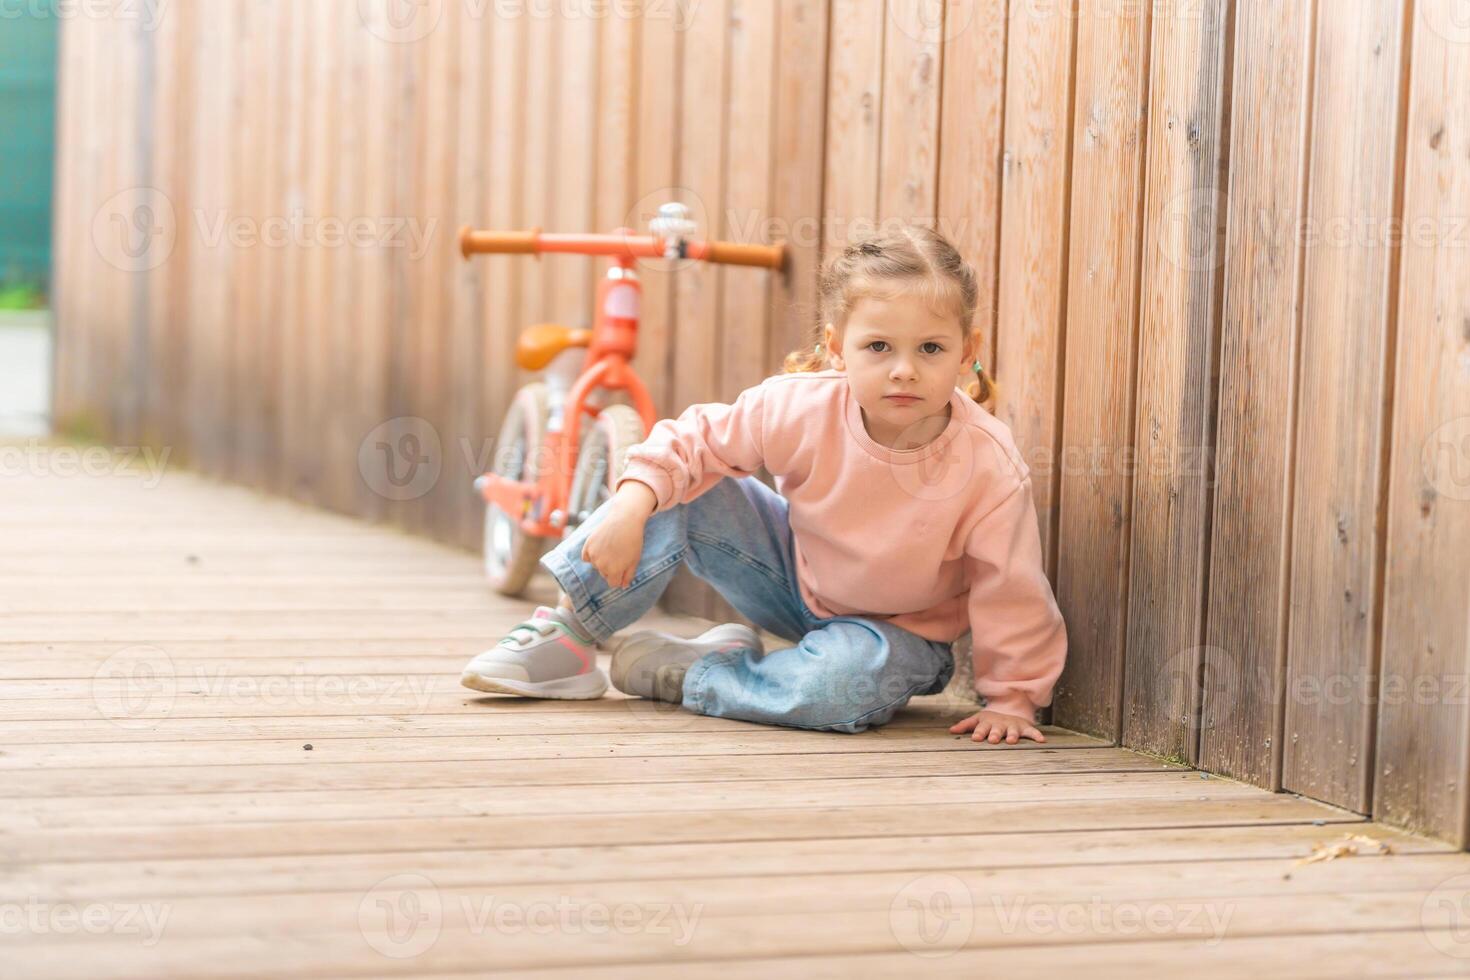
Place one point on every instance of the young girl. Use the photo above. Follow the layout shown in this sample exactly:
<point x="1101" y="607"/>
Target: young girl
<point x="904" y="518"/>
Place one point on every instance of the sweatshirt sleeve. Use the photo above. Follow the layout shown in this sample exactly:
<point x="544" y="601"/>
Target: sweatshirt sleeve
<point x="682" y="458"/>
<point x="1019" y="638"/>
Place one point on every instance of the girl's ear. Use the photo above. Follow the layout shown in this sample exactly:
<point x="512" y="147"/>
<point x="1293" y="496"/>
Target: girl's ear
<point x="971" y="349"/>
<point x="833" y="354"/>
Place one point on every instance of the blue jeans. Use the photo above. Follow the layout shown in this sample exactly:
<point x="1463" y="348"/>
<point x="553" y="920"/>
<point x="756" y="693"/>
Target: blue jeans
<point x="844" y="674"/>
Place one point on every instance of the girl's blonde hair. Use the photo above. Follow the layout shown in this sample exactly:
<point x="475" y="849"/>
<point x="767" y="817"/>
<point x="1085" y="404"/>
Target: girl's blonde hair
<point x="911" y="259"/>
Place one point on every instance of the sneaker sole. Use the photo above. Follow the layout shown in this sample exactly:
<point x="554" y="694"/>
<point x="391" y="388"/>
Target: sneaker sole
<point x="707" y="642"/>
<point x="582" y="687"/>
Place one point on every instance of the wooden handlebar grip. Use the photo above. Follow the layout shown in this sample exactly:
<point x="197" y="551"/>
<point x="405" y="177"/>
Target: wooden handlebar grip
<point x="733" y="253"/>
<point x="513" y="242"/>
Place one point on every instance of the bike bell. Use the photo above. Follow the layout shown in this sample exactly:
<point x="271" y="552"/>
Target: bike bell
<point x="674" y="227"/>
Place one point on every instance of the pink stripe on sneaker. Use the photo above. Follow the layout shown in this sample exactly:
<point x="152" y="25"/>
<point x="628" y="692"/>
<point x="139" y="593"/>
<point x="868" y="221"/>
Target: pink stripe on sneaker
<point x="581" y="654"/>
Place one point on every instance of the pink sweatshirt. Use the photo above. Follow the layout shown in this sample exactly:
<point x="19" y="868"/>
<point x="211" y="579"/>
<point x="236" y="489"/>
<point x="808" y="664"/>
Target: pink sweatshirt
<point x="936" y="540"/>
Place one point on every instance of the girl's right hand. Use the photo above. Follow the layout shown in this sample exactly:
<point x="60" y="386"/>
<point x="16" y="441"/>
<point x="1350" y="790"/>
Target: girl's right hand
<point x="616" y="543"/>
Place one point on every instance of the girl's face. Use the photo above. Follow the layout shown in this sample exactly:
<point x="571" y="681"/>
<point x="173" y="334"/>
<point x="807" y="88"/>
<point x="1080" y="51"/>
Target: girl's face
<point x="899" y="346"/>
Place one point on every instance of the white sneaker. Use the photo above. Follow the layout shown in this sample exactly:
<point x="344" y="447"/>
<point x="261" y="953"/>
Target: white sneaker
<point x="651" y="664"/>
<point x="543" y="657"/>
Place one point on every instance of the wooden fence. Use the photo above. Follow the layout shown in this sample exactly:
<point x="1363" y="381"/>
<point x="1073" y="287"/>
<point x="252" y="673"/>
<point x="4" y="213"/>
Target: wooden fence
<point x="1223" y="256"/>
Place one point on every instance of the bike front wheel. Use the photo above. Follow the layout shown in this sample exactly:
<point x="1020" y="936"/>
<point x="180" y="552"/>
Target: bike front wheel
<point x="510" y="553"/>
<point x="601" y="459"/>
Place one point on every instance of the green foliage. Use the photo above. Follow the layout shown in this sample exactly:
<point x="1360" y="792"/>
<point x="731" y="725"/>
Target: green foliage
<point x="21" y="296"/>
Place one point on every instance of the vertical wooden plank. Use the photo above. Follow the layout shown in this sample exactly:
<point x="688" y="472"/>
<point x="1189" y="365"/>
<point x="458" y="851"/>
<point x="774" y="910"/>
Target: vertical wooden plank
<point x="113" y="294"/>
<point x="209" y="286"/>
<point x="854" y="122"/>
<point x="306" y="465"/>
<point x="115" y="282"/>
<point x="1095" y="495"/>
<point x="102" y="296"/>
<point x="249" y="141"/>
<point x="72" y="337"/>
<point x="1175" y="395"/>
<point x="743" y="358"/>
<point x="1423" y="737"/>
<point x="93" y="353"/>
<point x="909" y="145"/>
<point x="169" y="283"/>
<point x="352" y="273"/>
<point x="575" y="152"/>
<point x="971" y="124"/>
<point x="433" y="270"/>
<point x="133" y="151"/>
<point x="616" y="121"/>
<point x="703" y="130"/>
<point x="539" y="183"/>
<point x="504" y="275"/>
<point x="281" y="43"/>
<point x="103" y="293"/>
<point x="1336" y="546"/>
<point x="543" y="97"/>
<point x="1245" y="650"/>
<point x="660" y="94"/>
<point x="472" y="164"/>
<point x="291" y="426"/>
<point x="1033" y="262"/>
<point x="796" y="191"/>
<point x="399" y="102"/>
<point x="376" y="266"/>
<point x="70" y="225"/>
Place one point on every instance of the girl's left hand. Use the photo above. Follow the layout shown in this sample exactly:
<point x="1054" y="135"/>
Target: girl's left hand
<point x="992" y="726"/>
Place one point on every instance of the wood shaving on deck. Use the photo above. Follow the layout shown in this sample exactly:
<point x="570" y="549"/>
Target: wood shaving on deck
<point x="1347" y="845"/>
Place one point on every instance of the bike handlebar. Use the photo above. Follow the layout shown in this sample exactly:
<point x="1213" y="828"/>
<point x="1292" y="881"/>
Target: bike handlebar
<point x="629" y="246"/>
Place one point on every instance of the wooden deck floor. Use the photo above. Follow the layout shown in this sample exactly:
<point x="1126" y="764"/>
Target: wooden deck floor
<point x="234" y="743"/>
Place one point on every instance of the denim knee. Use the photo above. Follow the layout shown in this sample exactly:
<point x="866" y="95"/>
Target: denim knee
<point x="859" y="676"/>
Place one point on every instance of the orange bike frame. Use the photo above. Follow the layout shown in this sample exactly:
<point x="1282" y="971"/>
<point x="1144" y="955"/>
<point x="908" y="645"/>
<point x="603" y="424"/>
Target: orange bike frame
<point x="608" y="366"/>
